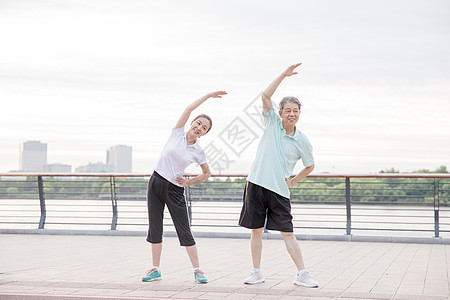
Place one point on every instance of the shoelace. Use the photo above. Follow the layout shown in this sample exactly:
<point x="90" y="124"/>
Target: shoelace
<point x="151" y="271"/>
<point x="198" y="272"/>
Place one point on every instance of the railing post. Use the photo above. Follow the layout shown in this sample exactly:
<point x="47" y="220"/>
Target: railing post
<point x="42" y="203"/>
<point x="348" y="205"/>
<point x="436" y="207"/>
<point x="112" y="183"/>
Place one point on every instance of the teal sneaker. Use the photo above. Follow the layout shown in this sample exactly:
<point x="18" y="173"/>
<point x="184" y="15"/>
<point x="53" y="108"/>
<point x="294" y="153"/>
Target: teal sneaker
<point x="200" y="276"/>
<point x="152" y="275"/>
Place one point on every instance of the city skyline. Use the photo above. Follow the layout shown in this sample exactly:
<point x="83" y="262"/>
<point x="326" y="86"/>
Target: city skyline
<point x="374" y="81"/>
<point x="33" y="158"/>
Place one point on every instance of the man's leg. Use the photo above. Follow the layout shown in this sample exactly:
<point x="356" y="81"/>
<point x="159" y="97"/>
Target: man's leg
<point x="302" y="278"/>
<point x="294" y="249"/>
<point x="256" y="247"/>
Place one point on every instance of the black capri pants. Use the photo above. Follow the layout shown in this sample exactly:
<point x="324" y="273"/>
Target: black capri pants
<point x="161" y="192"/>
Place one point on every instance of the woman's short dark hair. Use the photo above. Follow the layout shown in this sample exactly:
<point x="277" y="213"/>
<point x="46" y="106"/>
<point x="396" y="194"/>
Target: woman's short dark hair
<point x="207" y="118"/>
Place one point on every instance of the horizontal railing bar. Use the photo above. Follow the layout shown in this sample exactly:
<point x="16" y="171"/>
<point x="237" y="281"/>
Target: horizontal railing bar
<point x="22" y="223"/>
<point x="391" y="183"/>
<point x="76" y="193"/>
<point x="393" y="229"/>
<point x="17" y="193"/>
<point x="77" y="217"/>
<point x="77" y="211"/>
<point x="79" y="205"/>
<point x="316" y="227"/>
<point x="392" y="189"/>
<point x="21" y="198"/>
<point x="139" y="218"/>
<point x="300" y="202"/>
<point x="386" y="196"/>
<point x="134" y="175"/>
<point x="49" y="181"/>
<point x="397" y="223"/>
<point x="390" y="203"/>
<point x="76" y="187"/>
<point x="22" y="210"/>
<point x="79" y="224"/>
<point x="391" y="216"/>
<point x="21" y="216"/>
<point x="213" y="225"/>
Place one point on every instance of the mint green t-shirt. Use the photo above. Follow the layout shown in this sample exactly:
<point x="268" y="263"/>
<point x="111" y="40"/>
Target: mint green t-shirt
<point x="277" y="155"/>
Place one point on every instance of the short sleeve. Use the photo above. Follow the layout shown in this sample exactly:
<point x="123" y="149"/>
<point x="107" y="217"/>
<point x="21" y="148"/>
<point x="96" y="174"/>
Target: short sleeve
<point x="269" y="116"/>
<point x="178" y="131"/>
<point x="307" y="153"/>
<point x="201" y="158"/>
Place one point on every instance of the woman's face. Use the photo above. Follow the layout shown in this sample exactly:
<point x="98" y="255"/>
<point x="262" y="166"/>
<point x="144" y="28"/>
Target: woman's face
<point x="200" y="127"/>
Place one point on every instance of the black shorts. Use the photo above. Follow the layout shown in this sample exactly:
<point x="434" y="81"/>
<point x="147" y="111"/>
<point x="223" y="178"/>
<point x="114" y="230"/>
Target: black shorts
<point x="260" y="202"/>
<point x="160" y="192"/>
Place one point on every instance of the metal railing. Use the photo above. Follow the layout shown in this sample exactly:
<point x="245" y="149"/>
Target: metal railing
<point x="415" y="205"/>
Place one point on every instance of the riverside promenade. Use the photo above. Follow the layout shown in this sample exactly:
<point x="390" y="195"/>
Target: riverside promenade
<point x="75" y="267"/>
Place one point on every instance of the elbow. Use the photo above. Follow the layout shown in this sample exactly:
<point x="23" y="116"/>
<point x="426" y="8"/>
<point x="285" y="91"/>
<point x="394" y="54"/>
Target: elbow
<point x="266" y="99"/>
<point x="206" y="175"/>
<point x="311" y="168"/>
<point x="188" y="110"/>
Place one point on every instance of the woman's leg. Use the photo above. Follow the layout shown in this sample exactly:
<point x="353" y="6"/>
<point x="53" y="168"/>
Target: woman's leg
<point x="155" y="207"/>
<point x="193" y="256"/>
<point x="176" y="203"/>
<point x="156" y="254"/>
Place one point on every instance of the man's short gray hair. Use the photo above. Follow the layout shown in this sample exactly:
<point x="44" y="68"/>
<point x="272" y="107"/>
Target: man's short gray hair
<point x="291" y="100"/>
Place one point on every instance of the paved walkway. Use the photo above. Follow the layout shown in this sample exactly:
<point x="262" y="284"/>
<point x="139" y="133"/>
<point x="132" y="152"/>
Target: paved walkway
<point x="110" y="267"/>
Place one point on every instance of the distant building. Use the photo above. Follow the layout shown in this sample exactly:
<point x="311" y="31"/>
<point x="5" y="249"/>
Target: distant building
<point x="119" y="157"/>
<point x="58" y="168"/>
<point x="95" y="168"/>
<point x="33" y="156"/>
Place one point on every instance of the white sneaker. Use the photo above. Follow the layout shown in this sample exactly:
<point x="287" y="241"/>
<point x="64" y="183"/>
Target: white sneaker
<point x="304" y="279"/>
<point x="254" y="277"/>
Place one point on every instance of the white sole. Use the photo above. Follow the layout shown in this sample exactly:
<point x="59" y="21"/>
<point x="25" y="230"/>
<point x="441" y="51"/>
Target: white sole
<point x="305" y="285"/>
<point x="255" y="282"/>
<point x="155" y="279"/>
<point x="199" y="281"/>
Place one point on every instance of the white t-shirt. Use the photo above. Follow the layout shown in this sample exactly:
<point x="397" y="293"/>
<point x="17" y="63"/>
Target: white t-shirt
<point x="177" y="156"/>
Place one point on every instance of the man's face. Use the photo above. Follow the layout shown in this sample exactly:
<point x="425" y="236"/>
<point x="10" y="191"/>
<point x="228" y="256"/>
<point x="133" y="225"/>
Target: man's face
<point x="290" y="113"/>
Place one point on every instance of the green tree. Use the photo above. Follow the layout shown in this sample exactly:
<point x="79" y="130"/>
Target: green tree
<point x="391" y="170"/>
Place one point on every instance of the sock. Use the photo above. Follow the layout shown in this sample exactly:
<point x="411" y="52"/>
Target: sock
<point x="256" y="270"/>
<point x="157" y="268"/>
<point x="301" y="271"/>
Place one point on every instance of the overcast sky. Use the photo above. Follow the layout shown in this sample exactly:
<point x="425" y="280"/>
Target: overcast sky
<point x="82" y="76"/>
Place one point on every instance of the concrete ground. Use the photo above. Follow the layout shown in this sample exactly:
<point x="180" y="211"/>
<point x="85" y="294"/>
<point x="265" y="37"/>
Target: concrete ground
<point x="110" y="267"/>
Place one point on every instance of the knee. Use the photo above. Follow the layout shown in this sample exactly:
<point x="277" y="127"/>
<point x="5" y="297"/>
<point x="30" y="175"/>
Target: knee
<point x="288" y="235"/>
<point x="257" y="233"/>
